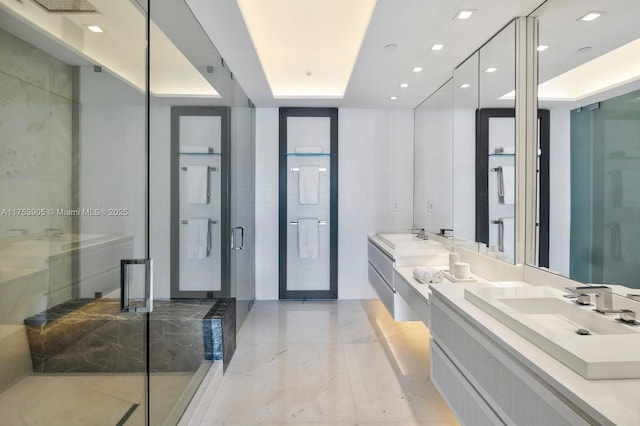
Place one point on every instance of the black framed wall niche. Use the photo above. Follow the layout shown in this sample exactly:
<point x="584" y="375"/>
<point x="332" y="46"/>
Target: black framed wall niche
<point x="483" y="221"/>
<point x="308" y="149"/>
<point x="191" y="128"/>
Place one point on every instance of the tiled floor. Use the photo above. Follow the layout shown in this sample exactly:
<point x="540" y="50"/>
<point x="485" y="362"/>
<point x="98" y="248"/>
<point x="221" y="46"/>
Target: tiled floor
<point x="89" y="399"/>
<point x="332" y="363"/>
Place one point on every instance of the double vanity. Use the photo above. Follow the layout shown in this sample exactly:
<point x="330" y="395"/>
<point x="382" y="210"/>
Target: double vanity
<point x="512" y="348"/>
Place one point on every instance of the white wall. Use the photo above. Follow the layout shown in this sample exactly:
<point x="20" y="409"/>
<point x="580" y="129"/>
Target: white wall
<point x="160" y="203"/>
<point x="375" y="170"/>
<point x="560" y="190"/>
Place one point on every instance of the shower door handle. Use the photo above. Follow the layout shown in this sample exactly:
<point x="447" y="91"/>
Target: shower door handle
<point x="144" y="302"/>
<point x="233" y="238"/>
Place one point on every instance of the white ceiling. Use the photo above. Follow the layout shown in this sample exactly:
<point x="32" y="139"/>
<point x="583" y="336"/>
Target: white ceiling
<point x="412" y="25"/>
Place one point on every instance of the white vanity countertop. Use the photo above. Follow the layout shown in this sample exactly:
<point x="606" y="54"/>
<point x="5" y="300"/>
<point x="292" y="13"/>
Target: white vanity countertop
<point x="618" y="401"/>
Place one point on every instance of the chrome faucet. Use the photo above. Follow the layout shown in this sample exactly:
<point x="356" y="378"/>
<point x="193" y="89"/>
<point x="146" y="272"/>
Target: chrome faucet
<point x="604" y="301"/>
<point x="422" y="234"/>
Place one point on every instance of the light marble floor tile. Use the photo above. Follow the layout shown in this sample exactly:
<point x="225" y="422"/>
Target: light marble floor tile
<point x="333" y="363"/>
<point x="292" y="322"/>
<point x="285" y="383"/>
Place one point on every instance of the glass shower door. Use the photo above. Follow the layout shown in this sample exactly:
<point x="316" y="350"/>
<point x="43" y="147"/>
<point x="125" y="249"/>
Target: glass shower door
<point x="73" y="205"/>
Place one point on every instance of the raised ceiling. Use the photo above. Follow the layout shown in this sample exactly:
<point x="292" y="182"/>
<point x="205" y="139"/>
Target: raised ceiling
<point x="413" y="26"/>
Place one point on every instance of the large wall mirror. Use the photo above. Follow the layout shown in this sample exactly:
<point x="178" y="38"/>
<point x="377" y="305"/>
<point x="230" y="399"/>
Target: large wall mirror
<point x="484" y="148"/>
<point x="433" y="202"/>
<point x="589" y="81"/>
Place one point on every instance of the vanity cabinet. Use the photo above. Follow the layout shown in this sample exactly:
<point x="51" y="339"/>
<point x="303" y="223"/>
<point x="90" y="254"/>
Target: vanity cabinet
<point x="383" y="279"/>
<point x="484" y="383"/>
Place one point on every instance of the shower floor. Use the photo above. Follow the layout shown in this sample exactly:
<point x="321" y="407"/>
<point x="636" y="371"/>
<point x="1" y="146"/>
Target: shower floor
<point x="90" y="399"/>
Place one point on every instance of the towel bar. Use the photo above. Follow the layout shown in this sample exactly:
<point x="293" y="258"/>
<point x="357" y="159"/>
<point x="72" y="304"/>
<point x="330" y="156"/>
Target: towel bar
<point x="211" y="169"/>
<point x="297" y="169"/>
<point x="211" y="222"/>
<point x="321" y="222"/>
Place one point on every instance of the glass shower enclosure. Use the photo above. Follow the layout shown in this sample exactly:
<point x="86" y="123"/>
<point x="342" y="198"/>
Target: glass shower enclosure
<point x="86" y="87"/>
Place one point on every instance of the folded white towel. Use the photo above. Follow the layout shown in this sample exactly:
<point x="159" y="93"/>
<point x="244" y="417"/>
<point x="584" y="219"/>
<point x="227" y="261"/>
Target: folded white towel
<point x="309" y="185"/>
<point x="195" y="149"/>
<point x="427" y="275"/>
<point x="309" y="150"/>
<point x="198" y="238"/>
<point x="197" y="184"/>
<point x="509" y="184"/>
<point x="308" y="238"/>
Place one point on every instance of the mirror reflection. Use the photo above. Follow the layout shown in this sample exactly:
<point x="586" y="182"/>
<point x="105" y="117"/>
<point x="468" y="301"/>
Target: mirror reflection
<point x="433" y="201"/>
<point x="591" y="86"/>
<point x="465" y="104"/>
<point x="484" y="148"/>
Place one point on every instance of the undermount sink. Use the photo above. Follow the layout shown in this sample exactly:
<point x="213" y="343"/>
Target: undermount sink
<point x="593" y="345"/>
<point x="406" y="241"/>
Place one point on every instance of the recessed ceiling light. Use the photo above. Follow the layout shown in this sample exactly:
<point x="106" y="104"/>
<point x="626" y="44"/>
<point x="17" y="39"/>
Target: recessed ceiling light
<point x="464" y="14"/>
<point x="417" y="69"/>
<point x="464" y="85"/>
<point x="542" y="48"/>
<point x="491" y="69"/>
<point x="437" y="46"/>
<point x="94" y="28"/>
<point x="404" y="85"/>
<point x="591" y="16"/>
<point x="394" y="98"/>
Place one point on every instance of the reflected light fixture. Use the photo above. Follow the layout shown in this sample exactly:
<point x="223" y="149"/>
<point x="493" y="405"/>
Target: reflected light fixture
<point x="542" y="48"/>
<point x="491" y="69"/>
<point x="591" y="16"/>
<point x="404" y="85"/>
<point x="394" y="98"/>
<point x="94" y="28"/>
<point x="437" y="46"/>
<point x="464" y="85"/>
<point x="417" y="69"/>
<point x="464" y="14"/>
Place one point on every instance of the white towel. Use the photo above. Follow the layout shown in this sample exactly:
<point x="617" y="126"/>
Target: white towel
<point x="309" y="150"/>
<point x="309" y="185"/>
<point x="428" y="275"/>
<point x="195" y="149"/>
<point x="308" y="238"/>
<point x="198" y="238"/>
<point x="198" y="184"/>
<point x="509" y="183"/>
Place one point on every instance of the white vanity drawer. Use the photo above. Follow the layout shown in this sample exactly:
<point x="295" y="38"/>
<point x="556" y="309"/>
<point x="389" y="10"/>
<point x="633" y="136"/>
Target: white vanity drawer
<point x="385" y="293"/>
<point x="382" y="263"/>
